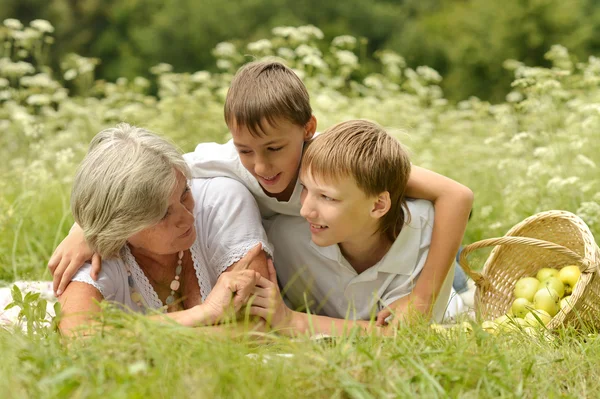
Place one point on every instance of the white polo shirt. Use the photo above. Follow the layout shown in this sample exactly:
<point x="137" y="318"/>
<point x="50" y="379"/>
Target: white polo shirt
<point x="322" y="278"/>
<point x="215" y="160"/>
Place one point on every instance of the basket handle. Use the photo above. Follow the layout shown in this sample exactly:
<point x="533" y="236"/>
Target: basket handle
<point x="478" y="278"/>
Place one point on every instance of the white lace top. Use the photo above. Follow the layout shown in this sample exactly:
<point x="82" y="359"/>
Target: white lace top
<point x="228" y="224"/>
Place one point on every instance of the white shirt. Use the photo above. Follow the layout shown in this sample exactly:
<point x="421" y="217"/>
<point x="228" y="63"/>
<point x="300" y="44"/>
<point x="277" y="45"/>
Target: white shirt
<point x="228" y="224"/>
<point x="213" y="159"/>
<point x="330" y="284"/>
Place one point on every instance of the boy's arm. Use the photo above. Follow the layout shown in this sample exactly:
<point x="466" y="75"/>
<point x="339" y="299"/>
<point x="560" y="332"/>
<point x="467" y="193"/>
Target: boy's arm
<point x="452" y="203"/>
<point x="69" y="257"/>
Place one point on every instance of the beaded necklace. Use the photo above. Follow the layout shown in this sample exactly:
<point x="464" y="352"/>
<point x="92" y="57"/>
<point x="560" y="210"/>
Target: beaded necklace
<point x="137" y="298"/>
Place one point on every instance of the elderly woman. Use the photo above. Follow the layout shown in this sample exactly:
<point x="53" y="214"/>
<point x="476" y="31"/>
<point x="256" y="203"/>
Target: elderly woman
<point x="186" y="248"/>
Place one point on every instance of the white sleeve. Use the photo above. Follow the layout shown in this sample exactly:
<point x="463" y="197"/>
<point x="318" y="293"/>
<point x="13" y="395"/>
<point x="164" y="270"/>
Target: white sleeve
<point x="215" y="160"/>
<point x="110" y="281"/>
<point x="231" y="222"/>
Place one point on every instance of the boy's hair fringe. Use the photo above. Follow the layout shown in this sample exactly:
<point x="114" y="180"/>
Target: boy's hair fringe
<point x="364" y="151"/>
<point x="264" y="91"/>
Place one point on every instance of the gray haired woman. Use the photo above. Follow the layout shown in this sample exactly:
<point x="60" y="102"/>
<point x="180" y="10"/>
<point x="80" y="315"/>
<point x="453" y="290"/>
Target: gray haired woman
<point x="188" y="248"/>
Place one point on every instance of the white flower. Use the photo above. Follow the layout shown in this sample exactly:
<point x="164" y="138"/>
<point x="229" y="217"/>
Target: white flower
<point x="303" y="50"/>
<point x="286" y="53"/>
<point x="346" y="57"/>
<point x="585" y="161"/>
<point x="374" y="82"/>
<point x="225" y="50"/>
<point x="12" y="23"/>
<point x="201" y="77"/>
<point x="161" y="68"/>
<point x="589" y="212"/>
<point x="311" y="31"/>
<point x="70" y="74"/>
<point x="141" y="82"/>
<point x="429" y="74"/>
<point x="284" y="31"/>
<point x="4" y="83"/>
<point x="224" y="64"/>
<point x="15" y="69"/>
<point x="40" y="80"/>
<point x="315" y="61"/>
<point x="39" y="99"/>
<point x="514" y="97"/>
<point x="42" y="25"/>
<point x="260" y="46"/>
<point x="344" y="41"/>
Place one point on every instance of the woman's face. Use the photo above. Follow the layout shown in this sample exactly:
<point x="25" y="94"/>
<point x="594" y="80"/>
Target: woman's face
<point x="176" y="231"/>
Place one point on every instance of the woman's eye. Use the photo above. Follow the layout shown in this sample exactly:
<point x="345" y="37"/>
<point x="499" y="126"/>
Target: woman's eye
<point x="167" y="213"/>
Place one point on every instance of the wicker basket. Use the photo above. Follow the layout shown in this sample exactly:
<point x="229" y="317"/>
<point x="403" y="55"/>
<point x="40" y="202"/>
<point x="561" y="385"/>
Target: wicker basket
<point x="547" y="239"/>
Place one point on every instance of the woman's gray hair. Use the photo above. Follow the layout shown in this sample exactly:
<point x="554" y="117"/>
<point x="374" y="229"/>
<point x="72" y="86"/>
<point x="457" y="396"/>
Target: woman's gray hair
<point x="123" y="186"/>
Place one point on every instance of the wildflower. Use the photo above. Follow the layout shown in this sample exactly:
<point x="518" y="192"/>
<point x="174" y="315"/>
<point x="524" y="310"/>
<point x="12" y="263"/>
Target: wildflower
<point x="15" y="69"/>
<point x="304" y="50"/>
<point x="347" y="58"/>
<point x="311" y="31"/>
<point x="200" y="77"/>
<point x="161" y="68"/>
<point x="39" y="99"/>
<point x="260" y="46"/>
<point x="286" y="53"/>
<point x="514" y="97"/>
<point x="429" y="74"/>
<point x="224" y="64"/>
<point x="12" y="23"/>
<point x="590" y="213"/>
<point x="225" y="50"/>
<point x="70" y="74"/>
<point x="40" y="80"/>
<point x="315" y="61"/>
<point x="344" y="41"/>
<point x="42" y="25"/>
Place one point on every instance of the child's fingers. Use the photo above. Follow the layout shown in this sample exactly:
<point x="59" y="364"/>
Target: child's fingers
<point x="96" y="266"/>
<point x="260" y="312"/>
<point x="381" y="316"/>
<point x="264" y="283"/>
<point x="272" y="273"/>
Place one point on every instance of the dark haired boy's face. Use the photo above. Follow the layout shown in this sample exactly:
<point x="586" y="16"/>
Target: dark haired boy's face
<point x="273" y="158"/>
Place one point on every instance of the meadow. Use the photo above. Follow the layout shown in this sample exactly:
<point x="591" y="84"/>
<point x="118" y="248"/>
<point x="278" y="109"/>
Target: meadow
<point x="537" y="150"/>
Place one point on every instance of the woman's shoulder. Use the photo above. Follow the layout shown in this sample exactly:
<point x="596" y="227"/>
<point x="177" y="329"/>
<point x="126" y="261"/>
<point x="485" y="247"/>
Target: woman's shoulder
<point x="112" y="277"/>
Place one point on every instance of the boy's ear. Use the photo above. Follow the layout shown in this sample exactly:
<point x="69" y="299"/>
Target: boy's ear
<point x="382" y="205"/>
<point x="310" y="128"/>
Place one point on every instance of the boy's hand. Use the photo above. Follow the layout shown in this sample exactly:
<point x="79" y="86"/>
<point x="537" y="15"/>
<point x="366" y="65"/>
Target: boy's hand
<point x="403" y="309"/>
<point x="267" y="302"/>
<point x="69" y="256"/>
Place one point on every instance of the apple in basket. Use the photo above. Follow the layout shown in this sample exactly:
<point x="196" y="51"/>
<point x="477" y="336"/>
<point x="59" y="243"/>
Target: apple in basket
<point x="521" y="306"/>
<point x="547" y="299"/>
<point x="554" y="283"/>
<point x="546" y="272"/>
<point x="534" y="318"/>
<point x="569" y="275"/>
<point x="526" y="288"/>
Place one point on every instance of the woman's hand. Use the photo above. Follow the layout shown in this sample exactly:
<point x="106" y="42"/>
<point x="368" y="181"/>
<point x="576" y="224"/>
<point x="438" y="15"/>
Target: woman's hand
<point x="232" y="291"/>
<point x="69" y="256"/>
<point x="267" y="302"/>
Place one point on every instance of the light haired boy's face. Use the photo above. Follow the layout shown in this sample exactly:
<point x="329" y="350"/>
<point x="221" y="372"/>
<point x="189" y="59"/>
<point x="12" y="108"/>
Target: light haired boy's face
<point x="338" y="211"/>
<point x="274" y="157"/>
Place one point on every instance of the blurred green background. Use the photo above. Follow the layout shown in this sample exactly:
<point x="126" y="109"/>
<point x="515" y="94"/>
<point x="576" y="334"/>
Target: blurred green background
<point x="465" y="41"/>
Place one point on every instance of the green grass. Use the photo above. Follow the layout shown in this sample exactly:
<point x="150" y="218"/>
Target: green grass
<point x="132" y="357"/>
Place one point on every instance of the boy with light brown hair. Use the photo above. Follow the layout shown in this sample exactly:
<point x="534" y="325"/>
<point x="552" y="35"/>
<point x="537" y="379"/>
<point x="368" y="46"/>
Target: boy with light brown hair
<point x="360" y="246"/>
<point x="268" y="112"/>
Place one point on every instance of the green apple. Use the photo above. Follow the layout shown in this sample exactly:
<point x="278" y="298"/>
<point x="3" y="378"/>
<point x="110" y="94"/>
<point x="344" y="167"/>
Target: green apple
<point x="546" y="299"/>
<point x="566" y="301"/>
<point x="489" y="326"/>
<point x="546" y="272"/>
<point x="556" y="284"/>
<point x="542" y="315"/>
<point x="521" y="307"/>
<point x="569" y="275"/>
<point x="502" y="321"/>
<point x="526" y="288"/>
